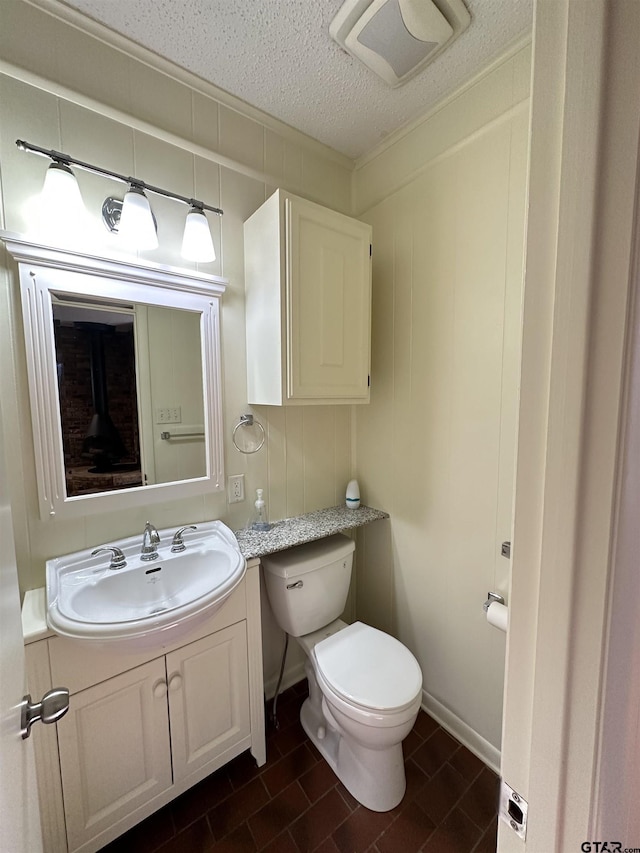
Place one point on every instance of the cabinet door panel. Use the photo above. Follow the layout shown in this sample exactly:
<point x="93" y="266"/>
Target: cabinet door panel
<point x="114" y="750"/>
<point x="208" y="698"/>
<point x="328" y="289"/>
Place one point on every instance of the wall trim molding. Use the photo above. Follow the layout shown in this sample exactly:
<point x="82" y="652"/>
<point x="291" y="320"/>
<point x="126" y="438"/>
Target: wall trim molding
<point x="164" y="66"/>
<point x="461" y="731"/>
<point x="407" y="129"/>
<point x="132" y="121"/>
<point x="582" y="200"/>
<point x="415" y="174"/>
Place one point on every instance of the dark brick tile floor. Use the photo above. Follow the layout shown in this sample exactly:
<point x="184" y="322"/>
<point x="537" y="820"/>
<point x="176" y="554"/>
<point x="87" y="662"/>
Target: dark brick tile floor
<point x="295" y="804"/>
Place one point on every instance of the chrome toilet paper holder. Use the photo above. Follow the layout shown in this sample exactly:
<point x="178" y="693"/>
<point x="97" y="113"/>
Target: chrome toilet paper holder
<point x="491" y="598"/>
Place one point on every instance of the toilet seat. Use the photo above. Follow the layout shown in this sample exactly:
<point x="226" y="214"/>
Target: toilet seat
<point x="368" y="671"/>
<point x="366" y="717"/>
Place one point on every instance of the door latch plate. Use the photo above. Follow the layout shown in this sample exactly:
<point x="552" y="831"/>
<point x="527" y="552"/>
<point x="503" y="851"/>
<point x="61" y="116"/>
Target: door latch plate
<point x="513" y="810"/>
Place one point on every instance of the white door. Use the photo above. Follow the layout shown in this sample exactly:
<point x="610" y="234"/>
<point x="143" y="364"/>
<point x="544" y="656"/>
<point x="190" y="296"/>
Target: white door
<point x="580" y="264"/>
<point x="19" y="812"/>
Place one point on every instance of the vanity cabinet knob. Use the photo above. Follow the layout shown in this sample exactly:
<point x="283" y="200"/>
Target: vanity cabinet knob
<point x="160" y="689"/>
<point x="175" y="682"/>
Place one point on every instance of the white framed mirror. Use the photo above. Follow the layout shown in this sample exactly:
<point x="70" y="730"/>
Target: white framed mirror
<point x="123" y="362"/>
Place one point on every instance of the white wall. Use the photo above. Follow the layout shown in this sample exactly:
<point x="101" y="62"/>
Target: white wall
<point x="435" y="448"/>
<point x="112" y="109"/>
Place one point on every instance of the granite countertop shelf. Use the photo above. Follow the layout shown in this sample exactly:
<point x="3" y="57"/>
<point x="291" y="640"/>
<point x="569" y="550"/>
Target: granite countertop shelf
<point x="304" y="528"/>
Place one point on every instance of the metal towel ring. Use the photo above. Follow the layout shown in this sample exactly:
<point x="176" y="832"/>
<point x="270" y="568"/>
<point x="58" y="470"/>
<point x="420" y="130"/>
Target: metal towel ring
<point x="247" y="420"/>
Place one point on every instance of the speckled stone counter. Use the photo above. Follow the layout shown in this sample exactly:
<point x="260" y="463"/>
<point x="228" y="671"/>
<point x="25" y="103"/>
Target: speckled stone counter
<point x="305" y="528"/>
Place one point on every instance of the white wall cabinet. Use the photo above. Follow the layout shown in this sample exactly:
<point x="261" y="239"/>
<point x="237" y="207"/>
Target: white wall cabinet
<point x="143" y="727"/>
<point x="308" y="304"/>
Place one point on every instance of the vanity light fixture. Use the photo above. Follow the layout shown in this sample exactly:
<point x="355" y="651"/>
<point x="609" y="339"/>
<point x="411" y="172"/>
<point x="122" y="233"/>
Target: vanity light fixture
<point x="61" y="204"/>
<point x="132" y="218"/>
<point x="137" y="227"/>
<point x="197" y="244"/>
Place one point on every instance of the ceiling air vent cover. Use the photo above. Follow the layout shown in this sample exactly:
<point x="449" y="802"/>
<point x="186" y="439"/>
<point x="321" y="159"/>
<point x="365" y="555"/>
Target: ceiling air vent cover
<point x="397" y="38"/>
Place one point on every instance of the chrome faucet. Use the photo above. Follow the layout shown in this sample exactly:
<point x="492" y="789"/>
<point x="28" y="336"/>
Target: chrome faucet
<point x="177" y="544"/>
<point x="118" y="560"/>
<point x="150" y="542"/>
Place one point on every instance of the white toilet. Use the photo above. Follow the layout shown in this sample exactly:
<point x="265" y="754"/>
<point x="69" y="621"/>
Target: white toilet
<point x="365" y="687"/>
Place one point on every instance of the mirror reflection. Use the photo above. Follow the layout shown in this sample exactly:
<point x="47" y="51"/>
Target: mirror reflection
<point x="130" y="387"/>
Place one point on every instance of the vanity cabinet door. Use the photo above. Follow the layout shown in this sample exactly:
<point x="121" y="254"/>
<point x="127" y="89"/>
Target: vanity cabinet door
<point x="209" y="702"/>
<point x="114" y="751"/>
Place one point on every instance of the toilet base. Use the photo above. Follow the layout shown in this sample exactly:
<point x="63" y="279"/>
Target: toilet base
<point x="324" y="738"/>
<point x="375" y="777"/>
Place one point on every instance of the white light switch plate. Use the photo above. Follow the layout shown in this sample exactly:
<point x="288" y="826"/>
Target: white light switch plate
<point x="170" y="415"/>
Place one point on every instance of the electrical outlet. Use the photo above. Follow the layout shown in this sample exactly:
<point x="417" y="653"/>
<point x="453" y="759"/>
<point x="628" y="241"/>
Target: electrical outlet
<point x="235" y="487"/>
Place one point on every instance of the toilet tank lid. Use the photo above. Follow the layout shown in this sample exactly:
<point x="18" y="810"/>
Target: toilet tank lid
<point x="306" y="558"/>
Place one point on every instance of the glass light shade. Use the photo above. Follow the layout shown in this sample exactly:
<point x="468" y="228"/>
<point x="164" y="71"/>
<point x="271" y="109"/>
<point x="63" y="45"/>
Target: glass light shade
<point x="137" y="229"/>
<point x="197" y="243"/>
<point x="62" y="210"/>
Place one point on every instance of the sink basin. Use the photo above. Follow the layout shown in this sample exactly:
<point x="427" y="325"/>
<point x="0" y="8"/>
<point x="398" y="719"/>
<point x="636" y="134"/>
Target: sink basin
<point x="144" y="603"/>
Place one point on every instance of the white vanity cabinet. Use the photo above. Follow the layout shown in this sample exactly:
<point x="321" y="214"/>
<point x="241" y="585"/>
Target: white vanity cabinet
<point x="143" y="727"/>
<point x="308" y="304"/>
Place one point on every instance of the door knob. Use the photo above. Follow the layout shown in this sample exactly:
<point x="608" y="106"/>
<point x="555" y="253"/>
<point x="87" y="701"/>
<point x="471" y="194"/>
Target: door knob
<point x="54" y="704"/>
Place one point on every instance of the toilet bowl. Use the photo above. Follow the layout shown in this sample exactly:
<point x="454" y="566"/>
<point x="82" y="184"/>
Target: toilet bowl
<point x="368" y="690"/>
<point x="365" y="687"/>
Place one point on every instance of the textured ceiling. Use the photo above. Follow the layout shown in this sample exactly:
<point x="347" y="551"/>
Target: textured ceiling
<point x="278" y="56"/>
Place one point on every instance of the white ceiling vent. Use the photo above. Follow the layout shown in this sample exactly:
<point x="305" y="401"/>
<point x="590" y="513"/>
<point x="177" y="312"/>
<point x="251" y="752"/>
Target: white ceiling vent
<point x="397" y="38"/>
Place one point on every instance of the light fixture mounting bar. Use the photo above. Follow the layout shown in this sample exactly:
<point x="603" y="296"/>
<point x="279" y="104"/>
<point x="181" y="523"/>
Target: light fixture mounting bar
<point x="59" y="157"/>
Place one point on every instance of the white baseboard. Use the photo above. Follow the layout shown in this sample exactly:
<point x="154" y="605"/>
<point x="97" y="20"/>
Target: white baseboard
<point x="485" y="751"/>
<point x="292" y="675"/>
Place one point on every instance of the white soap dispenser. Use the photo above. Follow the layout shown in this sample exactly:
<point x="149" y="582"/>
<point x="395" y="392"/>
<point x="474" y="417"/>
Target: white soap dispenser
<point x="260" y="521"/>
<point x="353" y="494"/>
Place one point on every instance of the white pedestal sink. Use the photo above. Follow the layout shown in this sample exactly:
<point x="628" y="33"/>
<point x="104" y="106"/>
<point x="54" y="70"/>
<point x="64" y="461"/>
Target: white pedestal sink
<point x="143" y="603"/>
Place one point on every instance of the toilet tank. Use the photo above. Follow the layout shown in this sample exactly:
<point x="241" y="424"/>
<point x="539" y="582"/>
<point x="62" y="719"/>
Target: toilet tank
<point x="308" y="585"/>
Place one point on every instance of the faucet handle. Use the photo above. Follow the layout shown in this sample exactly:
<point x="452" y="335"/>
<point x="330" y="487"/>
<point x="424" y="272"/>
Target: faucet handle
<point x="154" y="536"/>
<point x="118" y="560"/>
<point x="177" y="545"/>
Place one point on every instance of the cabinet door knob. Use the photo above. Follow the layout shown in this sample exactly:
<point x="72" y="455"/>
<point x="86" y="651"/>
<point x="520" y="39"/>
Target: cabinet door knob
<point x="160" y="689"/>
<point x="175" y="682"/>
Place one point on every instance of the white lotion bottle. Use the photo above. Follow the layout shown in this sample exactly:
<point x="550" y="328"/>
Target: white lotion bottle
<point x="353" y="494"/>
